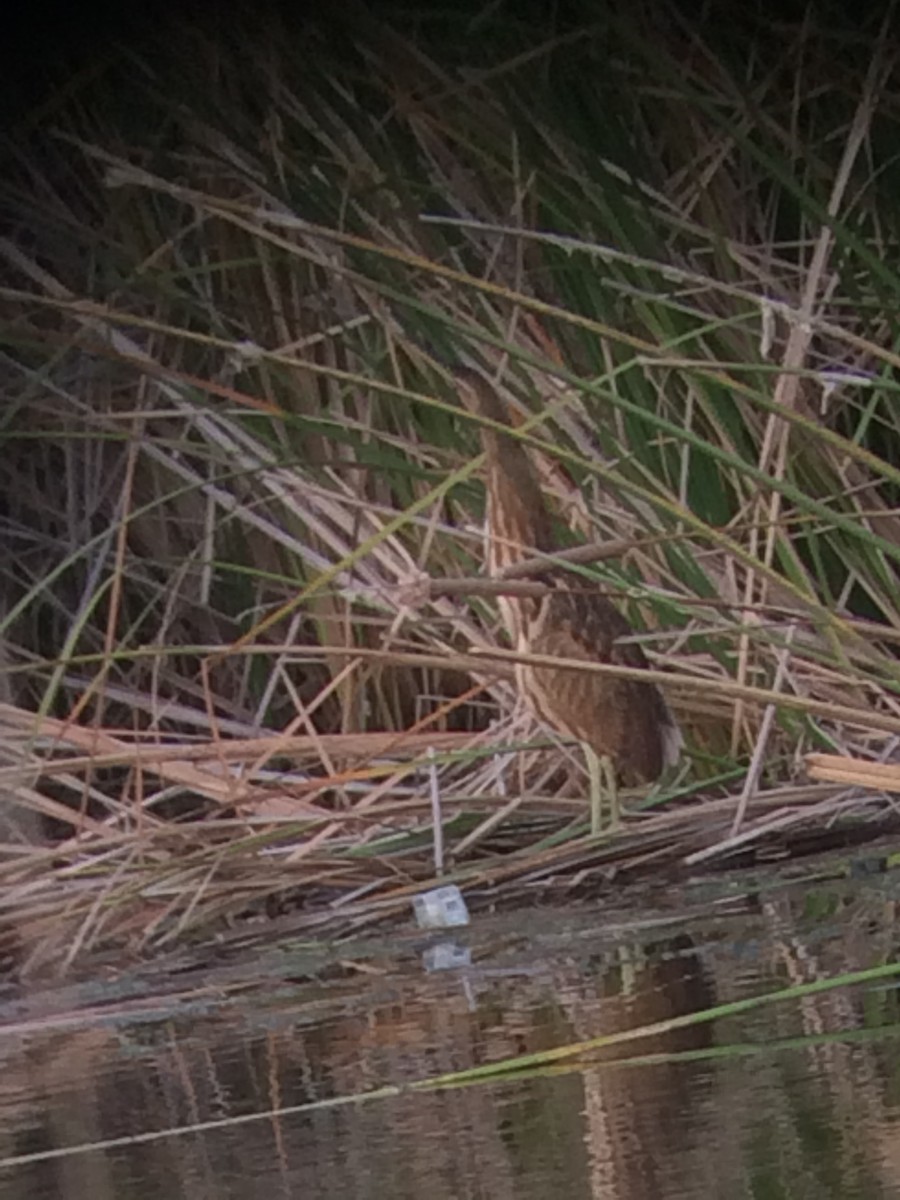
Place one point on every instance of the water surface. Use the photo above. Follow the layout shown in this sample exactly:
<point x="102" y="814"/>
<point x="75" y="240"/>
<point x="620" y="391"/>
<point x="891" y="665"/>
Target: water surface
<point x="259" y="1068"/>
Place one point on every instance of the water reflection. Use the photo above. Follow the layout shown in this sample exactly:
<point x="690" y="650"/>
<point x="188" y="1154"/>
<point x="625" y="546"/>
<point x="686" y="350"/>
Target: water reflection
<point x="767" y="1102"/>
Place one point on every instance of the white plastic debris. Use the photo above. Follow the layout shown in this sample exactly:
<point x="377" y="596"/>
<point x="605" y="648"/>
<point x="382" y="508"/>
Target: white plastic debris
<point x="441" y="908"/>
<point x="446" y="956"/>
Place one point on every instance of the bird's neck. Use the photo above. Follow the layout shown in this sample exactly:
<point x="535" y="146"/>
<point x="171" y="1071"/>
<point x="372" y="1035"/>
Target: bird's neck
<point x="518" y="520"/>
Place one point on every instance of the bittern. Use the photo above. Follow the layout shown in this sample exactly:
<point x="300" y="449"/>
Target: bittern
<point x="624" y="725"/>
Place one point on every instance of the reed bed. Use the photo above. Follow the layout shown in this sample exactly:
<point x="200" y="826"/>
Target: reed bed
<point x="251" y="663"/>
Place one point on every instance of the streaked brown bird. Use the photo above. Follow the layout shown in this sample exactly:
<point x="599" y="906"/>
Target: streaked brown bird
<point x="624" y="725"/>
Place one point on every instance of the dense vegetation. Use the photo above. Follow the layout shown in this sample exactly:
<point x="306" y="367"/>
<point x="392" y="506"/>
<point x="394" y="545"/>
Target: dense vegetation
<point x="241" y="501"/>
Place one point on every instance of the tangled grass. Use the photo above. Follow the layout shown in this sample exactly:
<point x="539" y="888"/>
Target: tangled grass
<point x="250" y="660"/>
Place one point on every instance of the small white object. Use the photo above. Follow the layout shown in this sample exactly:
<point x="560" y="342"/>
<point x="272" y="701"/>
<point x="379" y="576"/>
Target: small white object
<point x="441" y="908"/>
<point x="446" y="956"/>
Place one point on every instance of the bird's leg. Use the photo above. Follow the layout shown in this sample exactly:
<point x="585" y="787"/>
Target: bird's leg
<point x="602" y="774"/>
<point x="595" y="776"/>
<point x="615" y="809"/>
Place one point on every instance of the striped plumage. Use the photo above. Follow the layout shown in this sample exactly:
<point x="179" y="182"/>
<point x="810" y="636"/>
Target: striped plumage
<point x="624" y="721"/>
